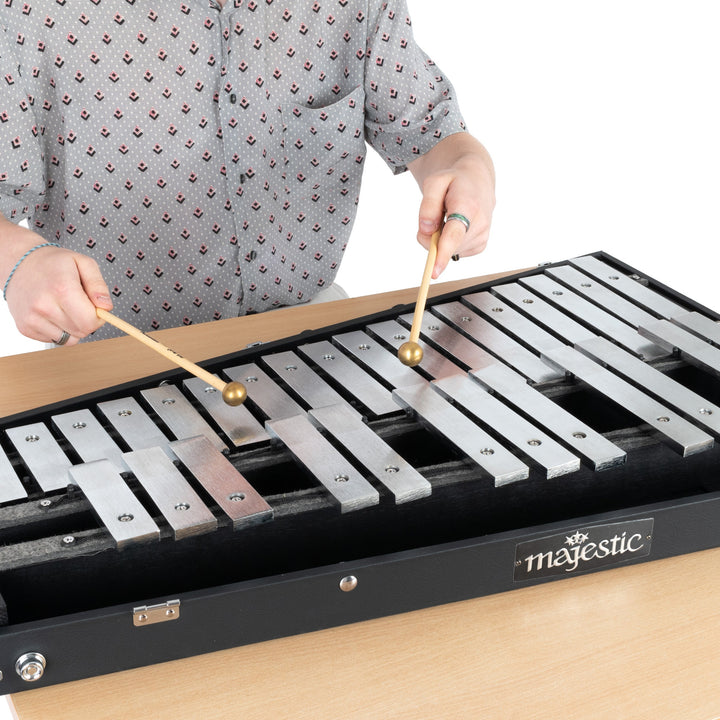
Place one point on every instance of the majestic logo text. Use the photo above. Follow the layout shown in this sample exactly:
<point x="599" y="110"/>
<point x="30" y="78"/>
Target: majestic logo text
<point x="583" y="549"/>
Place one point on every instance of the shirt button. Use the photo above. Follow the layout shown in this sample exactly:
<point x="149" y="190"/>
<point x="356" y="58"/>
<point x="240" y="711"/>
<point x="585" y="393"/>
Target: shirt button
<point x="233" y="98"/>
<point x="252" y="254"/>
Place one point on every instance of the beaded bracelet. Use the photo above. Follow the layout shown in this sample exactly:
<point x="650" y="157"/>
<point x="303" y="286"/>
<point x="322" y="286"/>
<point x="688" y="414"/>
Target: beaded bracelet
<point x="17" y="264"/>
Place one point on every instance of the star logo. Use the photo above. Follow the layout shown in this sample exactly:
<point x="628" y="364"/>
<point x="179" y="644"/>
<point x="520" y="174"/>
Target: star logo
<point x="576" y="538"/>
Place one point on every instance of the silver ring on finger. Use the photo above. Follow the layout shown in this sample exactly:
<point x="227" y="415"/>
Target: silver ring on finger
<point x="460" y="218"/>
<point x="63" y="338"/>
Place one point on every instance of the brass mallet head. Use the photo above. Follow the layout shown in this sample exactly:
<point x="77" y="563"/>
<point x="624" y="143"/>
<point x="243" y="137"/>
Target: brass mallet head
<point x="234" y="393"/>
<point x="410" y="353"/>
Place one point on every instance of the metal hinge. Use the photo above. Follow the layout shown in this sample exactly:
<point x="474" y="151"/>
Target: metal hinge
<point x="151" y="614"/>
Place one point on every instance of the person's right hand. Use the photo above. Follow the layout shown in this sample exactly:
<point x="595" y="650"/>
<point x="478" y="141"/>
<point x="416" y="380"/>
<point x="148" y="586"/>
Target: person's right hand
<point x="53" y="290"/>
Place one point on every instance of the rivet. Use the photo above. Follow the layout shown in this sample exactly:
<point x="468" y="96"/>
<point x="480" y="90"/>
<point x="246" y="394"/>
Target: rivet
<point x="348" y="583"/>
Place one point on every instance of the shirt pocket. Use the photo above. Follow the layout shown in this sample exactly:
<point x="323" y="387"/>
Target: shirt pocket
<point x="324" y="148"/>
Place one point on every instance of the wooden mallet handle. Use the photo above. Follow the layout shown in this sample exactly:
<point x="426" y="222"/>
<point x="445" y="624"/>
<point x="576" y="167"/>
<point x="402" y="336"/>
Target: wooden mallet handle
<point x="233" y="393"/>
<point x="410" y="352"/>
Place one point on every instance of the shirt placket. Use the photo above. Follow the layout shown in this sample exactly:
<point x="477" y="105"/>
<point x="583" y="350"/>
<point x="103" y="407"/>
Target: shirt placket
<point x="243" y="105"/>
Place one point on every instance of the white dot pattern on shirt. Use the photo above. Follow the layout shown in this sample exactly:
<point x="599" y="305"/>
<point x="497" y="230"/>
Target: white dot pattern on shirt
<point x="209" y="161"/>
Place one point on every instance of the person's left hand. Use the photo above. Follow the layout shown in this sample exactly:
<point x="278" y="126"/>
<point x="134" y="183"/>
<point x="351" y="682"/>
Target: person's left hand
<point x="456" y="177"/>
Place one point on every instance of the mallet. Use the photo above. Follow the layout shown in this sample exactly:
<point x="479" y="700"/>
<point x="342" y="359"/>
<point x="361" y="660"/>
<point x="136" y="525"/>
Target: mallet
<point x="233" y="393"/>
<point x="410" y="353"/>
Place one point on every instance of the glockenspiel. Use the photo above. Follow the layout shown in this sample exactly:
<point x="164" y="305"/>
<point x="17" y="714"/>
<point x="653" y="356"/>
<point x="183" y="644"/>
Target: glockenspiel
<point x="561" y="421"/>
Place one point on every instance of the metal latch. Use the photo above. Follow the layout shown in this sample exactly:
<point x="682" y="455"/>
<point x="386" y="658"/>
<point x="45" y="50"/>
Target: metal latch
<point x="151" y="614"/>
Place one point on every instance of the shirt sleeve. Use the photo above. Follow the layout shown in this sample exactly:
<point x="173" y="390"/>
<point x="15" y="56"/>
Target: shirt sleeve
<point x="22" y="181"/>
<point x="409" y="104"/>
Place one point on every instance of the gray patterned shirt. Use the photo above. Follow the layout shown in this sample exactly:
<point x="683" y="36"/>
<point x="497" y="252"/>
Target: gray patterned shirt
<point x="209" y="159"/>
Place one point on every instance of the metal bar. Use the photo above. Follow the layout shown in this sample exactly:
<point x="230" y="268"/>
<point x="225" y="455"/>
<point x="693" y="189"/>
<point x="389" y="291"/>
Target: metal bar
<point x="629" y="286"/>
<point x="42" y="455"/>
<point x="526" y="437"/>
<point x="10" y="486"/>
<point x="350" y="376"/>
<point x="346" y="485"/>
<point x="306" y="383"/>
<point x="227" y="487"/>
<point x="531" y="304"/>
<point x="450" y="341"/>
<point x="678" y="432"/>
<point x="602" y="322"/>
<point x="89" y="438"/>
<point x="512" y="321"/>
<point x="384" y="364"/>
<point x="274" y="402"/>
<point x="438" y="414"/>
<point x="496" y="341"/>
<point x="119" y="510"/>
<point x="433" y="362"/>
<point x="177" y="412"/>
<point x="699" y="325"/>
<point x="654" y="382"/>
<point x="179" y="504"/>
<point x="601" y="295"/>
<point x="237" y="422"/>
<point x="134" y="425"/>
<point x="592" y="446"/>
<point x="401" y="478"/>
<point x="693" y="349"/>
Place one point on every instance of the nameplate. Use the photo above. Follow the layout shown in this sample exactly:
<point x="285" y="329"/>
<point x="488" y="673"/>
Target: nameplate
<point x="583" y="548"/>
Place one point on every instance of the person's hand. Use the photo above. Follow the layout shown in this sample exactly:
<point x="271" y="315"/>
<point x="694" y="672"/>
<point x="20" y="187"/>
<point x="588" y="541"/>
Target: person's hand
<point x="456" y="177"/>
<point x="53" y="291"/>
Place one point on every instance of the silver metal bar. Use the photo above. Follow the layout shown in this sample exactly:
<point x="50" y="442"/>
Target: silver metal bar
<point x="177" y="412"/>
<point x="351" y="377"/>
<point x="601" y="295"/>
<point x="678" y="432"/>
<point x="227" y="487"/>
<point x="346" y="485"/>
<point x="699" y="325"/>
<point x="531" y="441"/>
<point x="179" y="504"/>
<point x="42" y="455"/>
<point x="89" y="438"/>
<point x="10" y="486"/>
<point x="435" y="412"/>
<point x="496" y="341"/>
<point x="122" y="514"/>
<point x="602" y="321"/>
<point x="628" y="286"/>
<point x="441" y="335"/>
<point x="264" y="392"/>
<point x="376" y="358"/>
<point x="693" y="349"/>
<point x="238" y="423"/>
<point x="512" y="321"/>
<point x="401" y="478"/>
<point x="531" y="304"/>
<point x="592" y="446"/>
<point x="306" y="383"/>
<point x="433" y="363"/>
<point x="134" y="425"/>
<point x="654" y="382"/>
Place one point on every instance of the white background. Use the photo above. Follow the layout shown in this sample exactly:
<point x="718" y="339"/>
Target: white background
<point x="602" y="119"/>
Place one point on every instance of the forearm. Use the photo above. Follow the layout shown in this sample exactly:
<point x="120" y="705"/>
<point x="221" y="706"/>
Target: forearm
<point x="455" y="149"/>
<point x="15" y="241"/>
